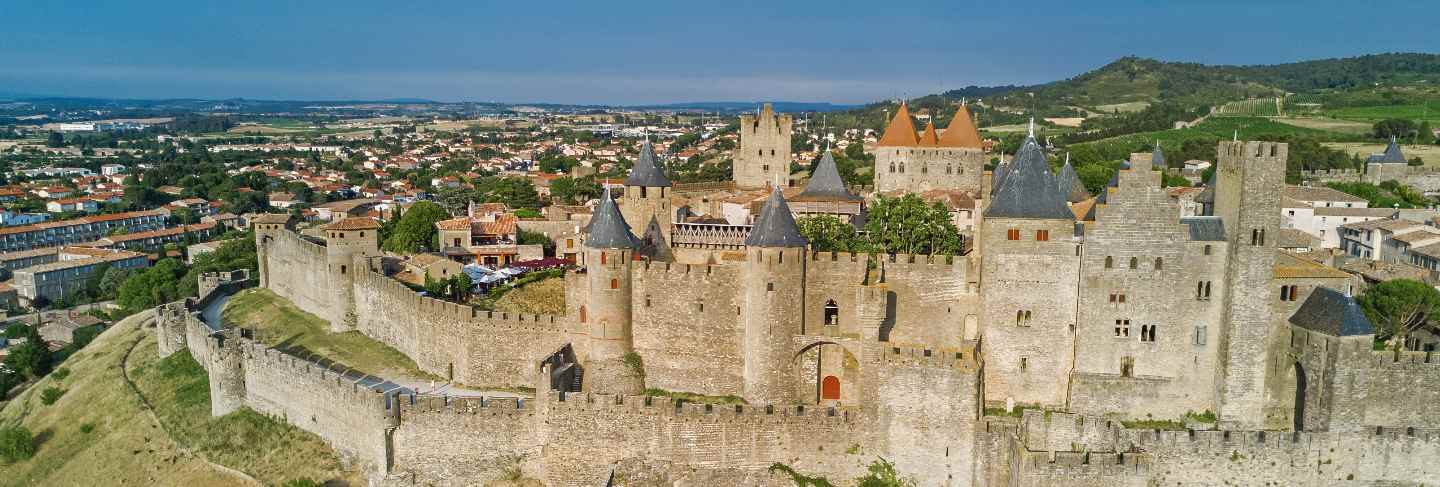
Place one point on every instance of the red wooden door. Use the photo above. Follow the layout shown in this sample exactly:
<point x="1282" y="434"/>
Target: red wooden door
<point x="830" y="388"/>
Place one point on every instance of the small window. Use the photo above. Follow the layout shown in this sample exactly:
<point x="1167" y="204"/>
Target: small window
<point x="1012" y="234"/>
<point x="614" y="284"/>
<point x="1200" y="334"/>
<point x="1127" y="366"/>
<point x="602" y="258"/>
<point x="772" y="152"/>
<point x="1122" y="299"/>
<point x="1023" y="364"/>
<point x="1147" y="333"/>
<point x="362" y="234"/>
<point x="1134" y="263"/>
<point x="342" y="268"/>
<point x="769" y="286"/>
<point x="582" y="313"/>
<point x="1122" y="328"/>
<point x="647" y="301"/>
<point x="1042" y="235"/>
<point x="1109" y="262"/>
<point x="1207" y="250"/>
<point x="1159" y="264"/>
<point x="700" y="307"/>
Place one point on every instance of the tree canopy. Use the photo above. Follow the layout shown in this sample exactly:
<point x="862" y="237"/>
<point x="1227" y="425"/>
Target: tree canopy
<point x="1398" y="307"/>
<point x="415" y="229"/>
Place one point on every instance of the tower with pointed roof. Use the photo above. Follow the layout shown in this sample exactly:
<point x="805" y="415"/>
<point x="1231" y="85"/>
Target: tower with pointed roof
<point x="1387" y="165"/>
<point x="607" y="313"/>
<point x="910" y="161"/>
<point x="826" y="194"/>
<point x="764" y="153"/>
<point x="773" y="284"/>
<point x="1029" y="263"/>
<point x="648" y="191"/>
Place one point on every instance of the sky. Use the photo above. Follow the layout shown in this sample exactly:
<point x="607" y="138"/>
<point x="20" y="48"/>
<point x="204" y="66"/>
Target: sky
<point x="622" y="52"/>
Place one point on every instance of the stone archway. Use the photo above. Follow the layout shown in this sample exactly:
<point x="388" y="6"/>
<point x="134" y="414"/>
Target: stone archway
<point x="828" y="370"/>
<point x="830" y="388"/>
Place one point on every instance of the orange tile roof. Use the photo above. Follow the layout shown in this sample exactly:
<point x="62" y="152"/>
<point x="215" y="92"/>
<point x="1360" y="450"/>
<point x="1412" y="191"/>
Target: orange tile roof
<point x="461" y="223"/>
<point x="929" y="137"/>
<point x="901" y="131"/>
<point x="503" y="225"/>
<point x="962" y="132"/>
<point x="354" y="223"/>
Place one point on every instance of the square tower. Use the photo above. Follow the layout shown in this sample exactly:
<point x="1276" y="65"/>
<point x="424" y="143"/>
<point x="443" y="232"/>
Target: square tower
<point x="764" y="153"/>
<point x="1249" y="180"/>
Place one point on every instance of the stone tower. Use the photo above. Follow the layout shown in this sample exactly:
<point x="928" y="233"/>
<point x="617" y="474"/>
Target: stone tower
<point x="346" y="240"/>
<point x="647" y="192"/>
<point x="1248" y="202"/>
<point x="609" y="250"/>
<point x="226" y="372"/>
<point x="764" y="154"/>
<point x="1029" y="272"/>
<point x="267" y="228"/>
<point x="773" y="275"/>
<point x="905" y="161"/>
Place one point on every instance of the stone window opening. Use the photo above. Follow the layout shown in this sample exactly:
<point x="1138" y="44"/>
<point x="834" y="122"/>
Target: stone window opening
<point x="1207" y="250"/>
<point x="1200" y="334"/>
<point x="769" y="286"/>
<point x="1127" y="366"/>
<point x="772" y="152"/>
<point x="1012" y="234"/>
<point x="1109" y="262"/>
<point x="1023" y="364"/>
<point x="700" y="307"/>
<point x="602" y="258"/>
<point x="1117" y="298"/>
<point x="1134" y="263"/>
<point x="892" y="167"/>
<point x="647" y="301"/>
<point x="902" y="168"/>
<point x="949" y="169"/>
<point x="832" y="313"/>
<point x="342" y="268"/>
<point x="642" y="191"/>
<point x="362" y="234"/>
<point x="1042" y="235"/>
<point x="1122" y="328"/>
<point x="582" y="313"/>
<point x="1159" y="263"/>
<point x="614" y="284"/>
<point x="1147" y="333"/>
<point x="760" y="152"/>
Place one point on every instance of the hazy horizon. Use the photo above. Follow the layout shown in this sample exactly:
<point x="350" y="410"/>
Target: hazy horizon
<point x="650" y="53"/>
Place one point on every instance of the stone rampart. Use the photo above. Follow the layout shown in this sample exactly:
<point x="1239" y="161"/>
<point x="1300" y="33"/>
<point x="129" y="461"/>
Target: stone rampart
<point x="687" y="326"/>
<point x="298" y="270"/>
<point x="1403" y="391"/>
<point x="455" y="341"/>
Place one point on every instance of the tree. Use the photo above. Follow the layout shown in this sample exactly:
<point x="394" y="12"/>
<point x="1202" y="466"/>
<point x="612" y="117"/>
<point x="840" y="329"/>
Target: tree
<point x="16" y="444"/>
<point x="56" y="140"/>
<point x="152" y="287"/>
<point x="569" y="191"/>
<point x="827" y="233"/>
<point x="415" y="230"/>
<point x="1425" y="134"/>
<point x="907" y="225"/>
<point x="31" y="359"/>
<point x="514" y="192"/>
<point x="526" y="237"/>
<point x="1394" y="127"/>
<point x="1398" y="307"/>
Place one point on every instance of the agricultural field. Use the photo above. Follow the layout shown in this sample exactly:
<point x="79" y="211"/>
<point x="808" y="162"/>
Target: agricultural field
<point x="1216" y="128"/>
<point x="1417" y="112"/>
<point x="1329" y="124"/>
<point x="1260" y="107"/>
<point x="1428" y="153"/>
<point x="1128" y="107"/>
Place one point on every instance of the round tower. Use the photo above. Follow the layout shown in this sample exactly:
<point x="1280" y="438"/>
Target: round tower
<point x="609" y="250"/>
<point x="774" y="275"/>
<point x="267" y="228"/>
<point x="647" y="192"/>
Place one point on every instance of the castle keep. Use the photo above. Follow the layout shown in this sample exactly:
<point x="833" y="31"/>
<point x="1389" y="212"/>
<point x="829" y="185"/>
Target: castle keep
<point x="1097" y="310"/>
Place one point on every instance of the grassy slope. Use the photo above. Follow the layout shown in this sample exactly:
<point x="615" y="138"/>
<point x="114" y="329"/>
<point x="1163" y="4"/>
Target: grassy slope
<point x="279" y="323"/>
<point x="125" y="446"/>
<point x="542" y="297"/>
<point x="1247" y="128"/>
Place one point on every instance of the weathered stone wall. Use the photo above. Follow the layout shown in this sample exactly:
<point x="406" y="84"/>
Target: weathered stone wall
<point x="928" y="301"/>
<point x="465" y="441"/>
<point x="764" y="153"/>
<point x="687" y="327"/>
<point x="927" y="409"/>
<point x="479" y="348"/>
<point x="1146" y="338"/>
<point x="298" y="270"/>
<point x="920" y="169"/>
<point x="1404" y="392"/>
<point x="350" y="417"/>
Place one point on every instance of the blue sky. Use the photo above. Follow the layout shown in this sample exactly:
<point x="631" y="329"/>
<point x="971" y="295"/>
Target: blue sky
<point x="651" y="52"/>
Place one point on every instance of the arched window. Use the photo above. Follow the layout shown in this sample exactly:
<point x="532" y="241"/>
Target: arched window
<point x="1019" y="315"/>
<point x="1109" y="262"/>
<point x="614" y="284"/>
<point x="582" y="313"/>
<point x="832" y="313"/>
<point x="948" y="169"/>
<point x="1159" y="263"/>
<point x="342" y="268"/>
<point x="772" y="152"/>
<point x="1134" y="263"/>
<point x="902" y="168"/>
<point x="760" y="152"/>
<point x="602" y="258"/>
<point x="1255" y="236"/>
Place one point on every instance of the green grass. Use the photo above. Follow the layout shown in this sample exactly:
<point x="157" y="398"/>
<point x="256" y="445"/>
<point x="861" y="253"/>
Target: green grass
<point x="244" y="439"/>
<point x="1261" y="107"/>
<point x="1247" y="128"/>
<point x="685" y="397"/>
<point x="1154" y="424"/>
<point x="1416" y="111"/>
<point x="280" y="324"/>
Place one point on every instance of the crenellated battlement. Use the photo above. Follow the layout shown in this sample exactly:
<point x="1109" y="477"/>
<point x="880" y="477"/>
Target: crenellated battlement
<point x="420" y="404"/>
<point x="963" y="357"/>
<point x="1086" y="464"/>
<point x="1409" y="358"/>
<point x="432" y="308"/>
<point x="294" y="240"/>
<point x="676" y="271"/>
<point x="666" y="406"/>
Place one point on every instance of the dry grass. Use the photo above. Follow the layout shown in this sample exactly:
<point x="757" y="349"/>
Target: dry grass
<point x="99" y="433"/>
<point x="1330" y="124"/>
<point x="1428" y="153"/>
<point x="280" y="324"/>
<point x="1127" y="107"/>
<point x="546" y="297"/>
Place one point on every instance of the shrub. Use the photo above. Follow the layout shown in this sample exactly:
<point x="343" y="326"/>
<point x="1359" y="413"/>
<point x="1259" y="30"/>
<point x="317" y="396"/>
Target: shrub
<point x="87" y="428"/>
<point x="16" y="443"/>
<point x="51" y="394"/>
<point x="300" y="483"/>
<point x="60" y="373"/>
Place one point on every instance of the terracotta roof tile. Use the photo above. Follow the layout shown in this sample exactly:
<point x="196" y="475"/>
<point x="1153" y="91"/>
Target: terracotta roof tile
<point x="962" y="132"/>
<point x="901" y="131"/>
<point x="354" y="223"/>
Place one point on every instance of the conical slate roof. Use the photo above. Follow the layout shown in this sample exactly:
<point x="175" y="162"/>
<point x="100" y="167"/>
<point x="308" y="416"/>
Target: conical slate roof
<point x="608" y="229"/>
<point x="998" y="176"/>
<point x="646" y="171"/>
<point x="961" y="132"/>
<point x="826" y="184"/>
<point x="929" y="137"/>
<point x="655" y="246"/>
<point x="1029" y="189"/>
<point x="1392" y="154"/>
<point x="1069" y="184"/>
<point x="1333" y="313"/>
<point x="1157" y="157"/>
<point x="901" y="131"/>
<point x="776" y="226"/>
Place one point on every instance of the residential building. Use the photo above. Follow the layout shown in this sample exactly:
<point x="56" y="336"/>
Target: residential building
<point x="71" y="272"/>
